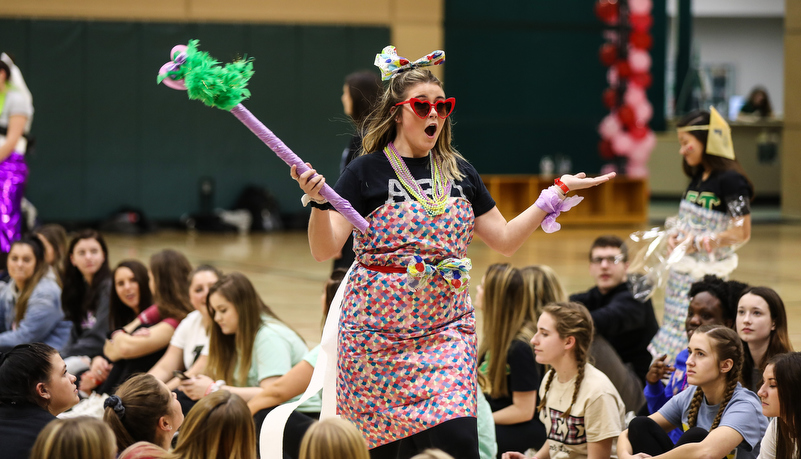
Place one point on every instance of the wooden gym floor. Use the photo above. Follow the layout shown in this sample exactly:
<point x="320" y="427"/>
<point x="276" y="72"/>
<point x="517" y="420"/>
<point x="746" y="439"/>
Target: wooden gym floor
<point x="290" y="281"/>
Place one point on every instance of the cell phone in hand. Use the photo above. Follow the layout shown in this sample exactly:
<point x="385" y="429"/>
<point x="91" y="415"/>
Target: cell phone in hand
<point x="180" y="375"/>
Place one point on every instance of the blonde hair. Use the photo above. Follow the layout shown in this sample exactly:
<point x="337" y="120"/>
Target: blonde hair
<point x="726" y="344"/>
<point x="433" y="454"/>
<point x="381" y="127"/>
<point x="333" y="438"/>
<point x="572" y="319"/>
<point x="225" y="351"/>
<point x="504" y="322"/>
<point x="218" y="426"/>
<point x="541" y="286"/>
<point x="81" y="437"/>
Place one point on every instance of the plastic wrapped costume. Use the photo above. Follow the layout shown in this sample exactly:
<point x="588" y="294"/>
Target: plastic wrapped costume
<point x="710" y="206"/>
<point x="16" y="100"/>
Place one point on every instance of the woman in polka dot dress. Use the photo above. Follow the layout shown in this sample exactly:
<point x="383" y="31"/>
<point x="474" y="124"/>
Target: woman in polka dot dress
<point x="407" y="347"/>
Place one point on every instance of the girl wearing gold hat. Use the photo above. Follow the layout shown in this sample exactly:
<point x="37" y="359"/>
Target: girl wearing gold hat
<point x="713" y="221"/>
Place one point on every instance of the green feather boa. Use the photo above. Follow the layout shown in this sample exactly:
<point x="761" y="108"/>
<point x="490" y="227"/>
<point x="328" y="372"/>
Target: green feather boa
<point x="218" y="86"/>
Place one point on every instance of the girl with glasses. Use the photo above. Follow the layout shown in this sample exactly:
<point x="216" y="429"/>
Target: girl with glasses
<point x="407" y="344"/>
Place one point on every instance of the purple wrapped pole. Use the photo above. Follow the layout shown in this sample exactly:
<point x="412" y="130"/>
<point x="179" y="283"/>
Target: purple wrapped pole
<point x="289" y="157"/>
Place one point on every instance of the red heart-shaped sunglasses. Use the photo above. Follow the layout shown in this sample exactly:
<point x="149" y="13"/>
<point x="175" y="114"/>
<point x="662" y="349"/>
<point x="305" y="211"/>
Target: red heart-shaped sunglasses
<point x="422" y="108"/>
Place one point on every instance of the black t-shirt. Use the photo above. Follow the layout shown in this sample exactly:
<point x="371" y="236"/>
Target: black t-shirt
<point x="721" y="189"/>
<point x="369" y="182"/>
<point x="522" y="374"/>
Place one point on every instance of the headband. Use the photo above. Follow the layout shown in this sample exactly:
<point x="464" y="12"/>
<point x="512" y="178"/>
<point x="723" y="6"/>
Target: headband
<point x="718" y="142"/>
<point x="115" y="403"/>
<point x="391" y="64"/>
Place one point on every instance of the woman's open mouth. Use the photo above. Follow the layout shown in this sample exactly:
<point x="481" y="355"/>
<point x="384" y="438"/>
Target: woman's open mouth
<point x="431" y="130"/>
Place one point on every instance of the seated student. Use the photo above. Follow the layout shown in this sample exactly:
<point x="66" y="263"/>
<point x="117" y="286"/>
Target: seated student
<point x="81" y="437"/>
<point x="333" y="437"/>
<point x="219" y="426"/>
<point x="130" y="296"/>
<point x="54" y="239"/>
<point x="762" y="325"/>
<point x="719" y="417"/>
<point x="579" y="406"/>
<point x="626" y="323"/>
<point x="780" y="401"/>
<point x="85" y="295"/>
<point x="143" y="409"/>
<point x="249" y="347"/>
<point x="34" y="388"/>
<point x="139" y="351"/>
<point x="713" y="301"/>
<point x="506" y="363"/>
<point x="542" y="287"/>
<point x="192" y="335"/>
<point x="30" y="304"/>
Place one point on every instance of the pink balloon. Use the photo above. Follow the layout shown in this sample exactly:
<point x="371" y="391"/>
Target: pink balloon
<point x="635" y="95"/>
<point x="637" y="170"/>
<point x="169" y="82"/>
<point x="610" y="126"/>
<point x="611" y="76"/>
<point x="640" y="6"/>
<point x="643" y="112"/>
<point x="639" y="60"/>
<point x="622" y="143"/>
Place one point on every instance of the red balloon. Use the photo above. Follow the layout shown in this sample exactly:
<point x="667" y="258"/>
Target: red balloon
<point x="641" y="22"/>
<point x="605" y="149"/>
<point x="639" y="132"/>
<point x="607" y="11"/>
<point x="641" y="40"/>
<point x="623" y="69"/>
<point x="610" y="98"/>
<point x="608" y="54"/>
<point x="642" y="79"/>
<point x="627" y="117"/>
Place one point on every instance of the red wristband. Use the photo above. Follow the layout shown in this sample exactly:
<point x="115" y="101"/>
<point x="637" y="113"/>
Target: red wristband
<point x="561" y="185"/>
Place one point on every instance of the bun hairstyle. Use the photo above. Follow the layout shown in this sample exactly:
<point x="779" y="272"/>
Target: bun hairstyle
<point x="726" y="345"/>
<point x="21" y="370"/>
<point x="572" y="319"/>
<point x="381" y="127"/>
<point x="133" y="413"/>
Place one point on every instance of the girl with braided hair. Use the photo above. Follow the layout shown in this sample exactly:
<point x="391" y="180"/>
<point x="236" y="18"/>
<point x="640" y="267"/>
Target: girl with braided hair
<point x="719" y="417"/>
<point x="579" y="406"/>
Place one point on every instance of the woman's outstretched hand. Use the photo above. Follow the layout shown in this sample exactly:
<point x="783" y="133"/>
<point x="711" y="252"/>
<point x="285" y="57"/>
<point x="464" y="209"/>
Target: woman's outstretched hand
<point x="580" y="181"/>
<point x="310" y="185"/>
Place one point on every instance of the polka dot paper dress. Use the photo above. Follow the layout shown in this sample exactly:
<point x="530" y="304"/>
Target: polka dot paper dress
<point x="407" y="346"/>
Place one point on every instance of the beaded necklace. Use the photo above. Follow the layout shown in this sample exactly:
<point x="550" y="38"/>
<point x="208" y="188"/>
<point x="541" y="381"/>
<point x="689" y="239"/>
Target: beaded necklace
<point x="442" y="188"/>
